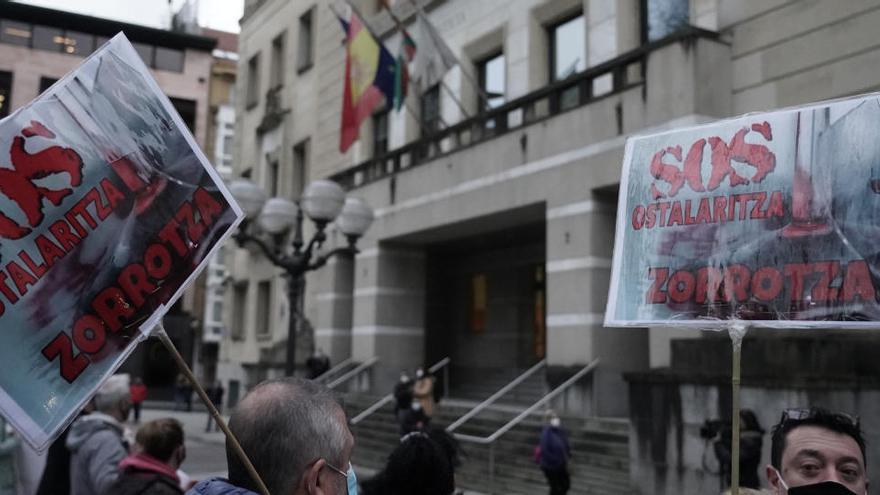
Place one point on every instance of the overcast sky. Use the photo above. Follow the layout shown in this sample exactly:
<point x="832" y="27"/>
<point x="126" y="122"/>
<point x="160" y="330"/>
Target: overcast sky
<point x="216" y="14"/>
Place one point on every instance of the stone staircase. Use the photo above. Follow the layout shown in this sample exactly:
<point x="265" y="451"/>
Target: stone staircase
<point x="600" y="463"/>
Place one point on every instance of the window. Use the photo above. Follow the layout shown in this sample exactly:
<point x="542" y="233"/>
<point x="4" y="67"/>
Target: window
<point x="78" y="43"/>
<point x="304" y="55"/>
<point x="273" y="179"/>
<point x="47" y="38"/>
<point x="431" y="109"/>
<point x="664" y="17"/>
<point x="277" y="66"/>
<point x="492" y="78"/>
<point x="5" y="93"/>
<point x="46" y="82"/>
<point x="239" y="306"/>
<point x="264" y="305"/>
<point x="568" y="48"/>
<point x="253" y="82"/>
<point x="380" y="133"/>
<point x="217" y="313"/>
<point x="145" y="51"/>
<point x="15" y="33"/>
<point x="187" y="111"/>
<point x="169" y="59"/>
<point x="300" y="167"/>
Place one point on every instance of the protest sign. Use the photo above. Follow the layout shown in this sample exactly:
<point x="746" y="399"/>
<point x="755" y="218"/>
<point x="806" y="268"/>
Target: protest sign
<point x="108" y="210"/>
<point x="772" y="218"/>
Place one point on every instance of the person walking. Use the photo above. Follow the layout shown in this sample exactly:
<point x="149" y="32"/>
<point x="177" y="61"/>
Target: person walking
<point x="403" y="398"/>
<point x="96" y="441"/>
<point x="554" y="455"/>
<point x="138" y="394"/>
<point x="423" y="392"/>
<point x="215" y="393"/>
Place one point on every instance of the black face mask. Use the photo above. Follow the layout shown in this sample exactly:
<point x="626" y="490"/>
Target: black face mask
<point x="823" y="488"/>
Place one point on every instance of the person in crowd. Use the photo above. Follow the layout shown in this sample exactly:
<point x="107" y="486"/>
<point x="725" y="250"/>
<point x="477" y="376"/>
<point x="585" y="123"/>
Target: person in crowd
<point x="317" y="364"/>
<point x="423" y="392"/>
<point x="138" y="395"/>
<point x="56" y="473"/>
<point x="751" y="441"/>
<point x="152" y="468"/>
<point x="96" y="441"/>
<point x="816" y="451"/>
<point x="215" y="394"/>
<point x="553" y="455"/>
<point x="403" y="398"/>
<point x="296" y="435"/>
<point x="418" y="465"/>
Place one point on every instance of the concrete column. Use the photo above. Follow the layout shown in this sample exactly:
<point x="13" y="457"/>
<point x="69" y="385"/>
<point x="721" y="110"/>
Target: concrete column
<point x="389" y="312"/>
<point x="333" y="303"/>
<point x="580" y="239"/>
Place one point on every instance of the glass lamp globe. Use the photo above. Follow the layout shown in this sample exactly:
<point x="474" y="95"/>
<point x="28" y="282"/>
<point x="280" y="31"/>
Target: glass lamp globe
<point x="322" y="201"/>
<point x="355" y="218"/>
<point x="278" y="215"/>
<point x="249" y="196"/>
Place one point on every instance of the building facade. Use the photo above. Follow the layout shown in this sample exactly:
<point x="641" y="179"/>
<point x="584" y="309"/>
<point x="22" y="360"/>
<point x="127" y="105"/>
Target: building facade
<point x="495" y="215"/>
<point x="39" y="45"/>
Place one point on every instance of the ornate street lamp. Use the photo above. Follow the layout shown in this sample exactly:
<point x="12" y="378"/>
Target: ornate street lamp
<point x="323" y="201"/>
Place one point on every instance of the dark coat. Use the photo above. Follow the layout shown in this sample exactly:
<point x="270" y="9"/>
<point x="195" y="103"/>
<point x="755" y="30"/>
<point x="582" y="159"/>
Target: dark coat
<point x="555" y="450"/>
<point x="144" y="475"/>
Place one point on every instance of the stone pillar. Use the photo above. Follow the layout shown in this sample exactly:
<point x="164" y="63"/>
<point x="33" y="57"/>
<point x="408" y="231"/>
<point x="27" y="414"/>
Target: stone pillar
<point x="389" y="312"/>
<point x="333" y="304"/>
<point x="580" y="240"/>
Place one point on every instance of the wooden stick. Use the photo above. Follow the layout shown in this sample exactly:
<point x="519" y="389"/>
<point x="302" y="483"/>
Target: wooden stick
<point x="181" y="364"/>
<point x="737" y="332"/>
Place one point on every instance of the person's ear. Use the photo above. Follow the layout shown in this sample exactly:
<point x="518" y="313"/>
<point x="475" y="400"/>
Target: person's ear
<point x="312" y="483"/>
<point x="773" y="478"/>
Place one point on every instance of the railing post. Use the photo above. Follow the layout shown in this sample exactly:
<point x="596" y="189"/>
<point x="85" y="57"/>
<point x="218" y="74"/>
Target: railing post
<point x="492" y="468"/>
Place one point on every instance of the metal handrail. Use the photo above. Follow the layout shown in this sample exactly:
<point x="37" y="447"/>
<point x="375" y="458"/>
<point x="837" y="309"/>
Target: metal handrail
<point x="443" y="363"/>
<point x="502" y="391"/>
<point x="353" y="373"/>
<point x="490" y="440"/>
<point x="332" y="371"/>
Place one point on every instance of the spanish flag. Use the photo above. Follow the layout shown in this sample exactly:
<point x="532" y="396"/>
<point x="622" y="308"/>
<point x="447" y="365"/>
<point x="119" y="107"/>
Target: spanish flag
<point x="369" y="75"/>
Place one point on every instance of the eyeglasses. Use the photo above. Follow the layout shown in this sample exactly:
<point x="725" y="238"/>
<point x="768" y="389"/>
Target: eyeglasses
<point x="807" y="413"/>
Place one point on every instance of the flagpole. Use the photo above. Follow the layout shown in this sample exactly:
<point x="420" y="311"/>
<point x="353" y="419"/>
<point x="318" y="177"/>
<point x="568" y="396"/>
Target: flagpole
<point x="482" y="94"/>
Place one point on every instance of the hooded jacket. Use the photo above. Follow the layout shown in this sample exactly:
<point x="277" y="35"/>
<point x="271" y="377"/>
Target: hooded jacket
<point x="555" y="450"/>
<point x="96" y="448"/>
<point x="218" y="486"/>
<point x="145" y="475"/>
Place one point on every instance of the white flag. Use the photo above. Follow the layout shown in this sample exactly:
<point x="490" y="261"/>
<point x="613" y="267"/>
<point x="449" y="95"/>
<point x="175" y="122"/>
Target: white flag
<point x="434" y="57"/>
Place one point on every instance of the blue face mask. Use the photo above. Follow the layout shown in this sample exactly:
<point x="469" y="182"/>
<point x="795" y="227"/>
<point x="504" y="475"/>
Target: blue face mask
<point x="352" y="480"/>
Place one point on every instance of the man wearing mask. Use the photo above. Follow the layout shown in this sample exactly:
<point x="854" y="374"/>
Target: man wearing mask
<point x="817" y="452"/>
<point x="296" y="435"/>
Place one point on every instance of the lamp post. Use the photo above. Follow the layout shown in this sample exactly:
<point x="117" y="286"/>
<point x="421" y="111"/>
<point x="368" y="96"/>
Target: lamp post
<point x="323" y="201"/>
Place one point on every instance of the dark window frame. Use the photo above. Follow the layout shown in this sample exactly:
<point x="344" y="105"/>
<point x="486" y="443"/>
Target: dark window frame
<point x="278" y="56"/>
<point x="305" y="57"/>
<point x="380" y="140"/>
<point x="239" y="311"/>
<point x="550" y="29"/>
<point x="252" y="82"/>
<point x="431" y="94"/>
<point x="300" y="166"/>
<point x="481" y="66"/>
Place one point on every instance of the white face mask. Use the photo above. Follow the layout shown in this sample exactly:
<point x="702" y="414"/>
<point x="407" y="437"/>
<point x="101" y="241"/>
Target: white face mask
<point x="555" y="422"/>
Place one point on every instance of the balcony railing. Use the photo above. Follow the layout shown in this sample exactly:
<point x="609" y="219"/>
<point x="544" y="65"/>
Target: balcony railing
<point x="617" y="75"/>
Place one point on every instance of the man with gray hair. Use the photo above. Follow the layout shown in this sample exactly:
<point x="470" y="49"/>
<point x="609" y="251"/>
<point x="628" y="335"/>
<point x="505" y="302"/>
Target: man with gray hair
<point x="96" y="442"/>
<point x="296" y="435"/>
